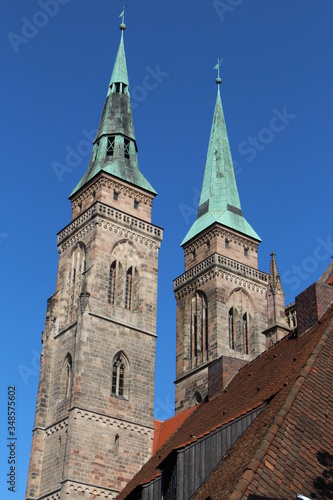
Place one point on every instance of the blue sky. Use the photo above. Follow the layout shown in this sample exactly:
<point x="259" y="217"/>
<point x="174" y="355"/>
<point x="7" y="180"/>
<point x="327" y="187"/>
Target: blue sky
<point x="277" y="98"/>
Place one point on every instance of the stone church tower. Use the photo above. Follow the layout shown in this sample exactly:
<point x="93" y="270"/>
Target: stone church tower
<point x="227" y="310"/>
<point x="94" y="415"/>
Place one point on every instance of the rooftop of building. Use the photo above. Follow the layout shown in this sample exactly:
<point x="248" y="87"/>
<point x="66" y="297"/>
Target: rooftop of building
<point x="289" y="445"/>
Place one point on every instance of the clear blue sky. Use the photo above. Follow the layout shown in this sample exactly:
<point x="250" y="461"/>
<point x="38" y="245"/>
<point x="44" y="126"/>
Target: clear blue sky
<point x="55" y="72"/>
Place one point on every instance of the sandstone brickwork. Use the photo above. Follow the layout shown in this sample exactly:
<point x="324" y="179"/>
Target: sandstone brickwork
<point x="87" y="439"/>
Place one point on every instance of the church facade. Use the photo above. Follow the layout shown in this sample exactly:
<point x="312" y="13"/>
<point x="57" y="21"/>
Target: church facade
<point x="94" y="422"/>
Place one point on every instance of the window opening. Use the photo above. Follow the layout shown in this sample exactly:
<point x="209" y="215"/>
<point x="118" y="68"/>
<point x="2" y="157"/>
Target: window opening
<point x="199" y="329"/>
<point x="245" y="333"/>
<point x="226" y="244"/>
<point x="195" y="334"/>
<point x="117" y="87"/>
<point x="112" y="283"/>
<point x="118" y="376"/>
<point x="115" y="195"/>
<point x="136" y="204"/>
<point x="126" y="148"/>
<point x="128" y="288"/>
<point x="231" y="329"/>
<point x="110" y="145"/>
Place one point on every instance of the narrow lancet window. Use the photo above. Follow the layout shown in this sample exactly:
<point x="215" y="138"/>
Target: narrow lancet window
<point x="128" y="288"/>
<point x="120" y="376"/>
<point x="66" y="377"/>
<point x="231" y="329"/>
<point x="246" y="333"/>
<point x="199" y="329"/>
<point x="112" y="283"/>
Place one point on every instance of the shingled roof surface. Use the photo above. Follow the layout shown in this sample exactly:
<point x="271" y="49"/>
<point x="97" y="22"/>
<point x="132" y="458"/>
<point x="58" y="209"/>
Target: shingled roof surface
<point x="288" y="447"/>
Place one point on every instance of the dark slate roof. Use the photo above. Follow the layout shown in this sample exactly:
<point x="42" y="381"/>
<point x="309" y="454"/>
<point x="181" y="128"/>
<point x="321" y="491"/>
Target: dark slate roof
<point x="289" y="445"/>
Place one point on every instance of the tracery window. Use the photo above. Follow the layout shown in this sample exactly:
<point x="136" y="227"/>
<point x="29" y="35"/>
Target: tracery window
<point x="120" y="376"/>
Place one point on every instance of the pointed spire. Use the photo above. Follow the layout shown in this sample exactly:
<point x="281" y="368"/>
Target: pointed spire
<point x="219" y="200"/>
<point x="119" y="73"/>
<point x="274" y="277"/>
<point x="115" y="148"/>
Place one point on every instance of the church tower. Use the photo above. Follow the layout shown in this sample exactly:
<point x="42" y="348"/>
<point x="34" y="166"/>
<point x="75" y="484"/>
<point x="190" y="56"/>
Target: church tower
<point x="222" y="307"/>
<point x="94" y="415"/>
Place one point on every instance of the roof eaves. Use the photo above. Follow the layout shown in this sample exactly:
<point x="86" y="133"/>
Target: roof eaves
<point x="218" y="426"/>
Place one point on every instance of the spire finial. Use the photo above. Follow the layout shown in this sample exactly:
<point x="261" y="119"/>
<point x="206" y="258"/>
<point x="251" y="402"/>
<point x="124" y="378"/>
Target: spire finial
<point x="218" y="79"/>
<point x="122" y="15"/>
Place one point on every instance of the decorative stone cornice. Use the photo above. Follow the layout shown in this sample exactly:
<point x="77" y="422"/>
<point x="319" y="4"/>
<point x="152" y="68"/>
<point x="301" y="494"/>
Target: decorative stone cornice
<point x="56" y="427"/>
<point x="116" y="423"/>
<point x="104" y="181"/>
<point x="119" y="222"/>
<point x="224" y="267"/>
<point x="71" y="486"/>
<point x="51" y="429"/>
<point x="221" y="232"/>
<point x="55" y="495"/>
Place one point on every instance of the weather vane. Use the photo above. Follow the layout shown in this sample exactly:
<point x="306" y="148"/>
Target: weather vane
<point x="122" y="15"/>
<point x="219" y="62"/>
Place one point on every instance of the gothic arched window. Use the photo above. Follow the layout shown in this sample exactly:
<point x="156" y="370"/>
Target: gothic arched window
<point x="199" y="329"/>
<point x="78" y="268"/>
<point x="66" y="377"/>
<point x="112" y="283"/>
<point x="120" y="376"/>
<point x="246" y="333"/>
<point x="231" y="328"/>
<point x="129" y="288"/>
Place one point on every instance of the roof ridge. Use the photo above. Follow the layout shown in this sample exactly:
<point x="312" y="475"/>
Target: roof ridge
<point x="261" y="452"/>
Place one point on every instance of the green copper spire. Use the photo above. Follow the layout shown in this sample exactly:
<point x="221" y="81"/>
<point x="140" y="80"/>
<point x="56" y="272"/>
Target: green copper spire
<point x="115" y="148"/>
<point x="219" y="200"/>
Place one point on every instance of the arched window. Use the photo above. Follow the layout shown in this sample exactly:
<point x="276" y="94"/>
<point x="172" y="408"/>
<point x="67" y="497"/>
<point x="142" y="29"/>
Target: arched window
<point x="199" y="329"/>
<point x="129" y="288"/>
<point x="112" y="283"/>
<point x="78" y="267"/>
<point x="231" y="328"/>
<point x="120" y="376"/>
<point x="66" y="377"/>
<point x="246" y="333"/>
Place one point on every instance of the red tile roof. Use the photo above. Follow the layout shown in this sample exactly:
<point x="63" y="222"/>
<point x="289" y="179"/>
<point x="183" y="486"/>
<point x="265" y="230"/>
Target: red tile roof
<point x="290" y="441"/>
<point x="163" y="430"/>
<point x="289" y="446"/>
